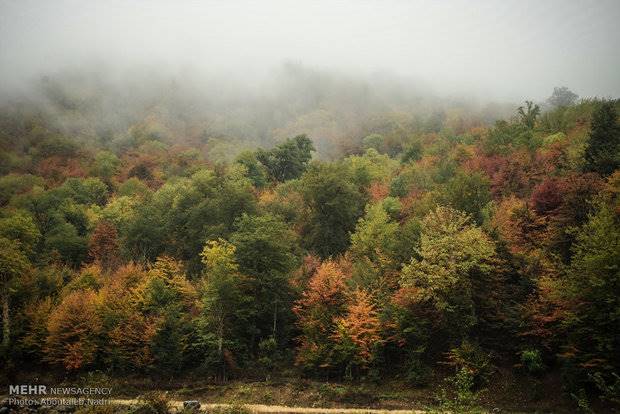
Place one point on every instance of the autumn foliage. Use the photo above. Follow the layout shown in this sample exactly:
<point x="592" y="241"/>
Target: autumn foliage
<point x="431" y="245"/>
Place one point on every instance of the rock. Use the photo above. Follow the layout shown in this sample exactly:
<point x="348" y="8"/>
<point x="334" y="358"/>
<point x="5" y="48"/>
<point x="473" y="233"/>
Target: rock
<point x="191" y="405"/>
<point x="5" y="409"/>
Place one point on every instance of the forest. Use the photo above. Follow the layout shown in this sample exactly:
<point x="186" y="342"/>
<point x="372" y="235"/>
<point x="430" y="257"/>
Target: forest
<point x="337" y="241"/>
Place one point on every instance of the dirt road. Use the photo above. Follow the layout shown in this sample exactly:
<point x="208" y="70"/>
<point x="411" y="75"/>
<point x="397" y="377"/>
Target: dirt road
<point x="279" y="409"/>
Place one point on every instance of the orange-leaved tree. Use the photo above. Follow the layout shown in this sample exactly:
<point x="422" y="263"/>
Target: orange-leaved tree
<point x="357" y="334"/>
<point x="75" y="329"/>
<point x="322" y="301"/>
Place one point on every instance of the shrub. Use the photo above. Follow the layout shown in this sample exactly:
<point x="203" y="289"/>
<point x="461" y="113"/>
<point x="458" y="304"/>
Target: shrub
<point x="154" y="402"/>
<point x="532" y="362"/>
<point x="470" y="356"/>
<point x="458" y="394"/>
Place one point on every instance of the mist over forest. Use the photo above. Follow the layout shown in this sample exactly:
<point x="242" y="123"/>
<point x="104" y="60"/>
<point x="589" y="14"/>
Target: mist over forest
<point x="399" y="205"/>
<point x="336" y="110"/>
<point x="248" y="74"/>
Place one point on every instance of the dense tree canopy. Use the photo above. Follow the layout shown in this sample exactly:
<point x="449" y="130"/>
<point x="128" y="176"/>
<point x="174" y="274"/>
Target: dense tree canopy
<point x="420" y="245"/>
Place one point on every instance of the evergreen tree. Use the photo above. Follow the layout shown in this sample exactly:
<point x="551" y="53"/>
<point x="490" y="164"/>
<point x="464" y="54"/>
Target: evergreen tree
<point x="603" y="151"/>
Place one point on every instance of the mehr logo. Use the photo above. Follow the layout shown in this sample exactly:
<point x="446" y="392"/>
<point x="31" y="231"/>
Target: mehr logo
<point x="27" y="390"/>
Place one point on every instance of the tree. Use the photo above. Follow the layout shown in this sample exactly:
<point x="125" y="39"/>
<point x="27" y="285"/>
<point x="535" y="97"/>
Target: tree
<point x="13" y="263"/>
<point x="103" y="245"/>
<point x="86" y="190"/>
<point x="226" y="304"/>
<point x="167" y="295"/>
<point x="563" y="203"/>
<point x="561" y="97"/>
<point x="357" y="333"/>
<point x="469" y="192"/>
<point x="529" y="114"/>
<point x="321" y="302"/>
<point x="374" y="141"/>
<point x="603" y="151"/>
<point x="266" y="252"/>
<point x="183" y="214"/>
<point x="20" y="226"/>
<point x="335" y="205"/>
<point x="375" y="234"/>
<point x="129" y="330"/>
<point x="452" y="253"/>
<point x="106" y="165"/>
<point x="264" y="244"/>
<point x="289" y="159"/>
<point x="18" y="238"/>
<point x="255" y="170"/>
<point x="75" y="329"/>
<point x="592" y="320"/>
<point x="64" y="239"/>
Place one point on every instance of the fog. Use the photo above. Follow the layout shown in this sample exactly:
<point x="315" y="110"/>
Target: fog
<point x="500" y="49"/>
<point x="260" y="71"/>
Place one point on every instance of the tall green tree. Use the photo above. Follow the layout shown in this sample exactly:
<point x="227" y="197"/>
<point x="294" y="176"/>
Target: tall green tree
<point x="335" y="205"/>
<point x="592" y="320"/>
<point x="603" y="151"/>
<point x="13" y="262"/>
<point x="266" y="252"/>
<point x="227" y="305"/>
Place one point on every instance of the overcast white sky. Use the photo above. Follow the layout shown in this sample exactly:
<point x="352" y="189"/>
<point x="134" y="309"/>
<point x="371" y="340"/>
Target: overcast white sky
<point x="507" y="49"/>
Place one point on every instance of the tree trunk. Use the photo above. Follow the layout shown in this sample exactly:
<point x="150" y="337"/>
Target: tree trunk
<point x="275" y="318"/>
<point x="6" y="321"/>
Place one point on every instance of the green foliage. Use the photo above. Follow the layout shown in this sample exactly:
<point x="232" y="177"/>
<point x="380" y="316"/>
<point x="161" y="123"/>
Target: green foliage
<point x="266" y="252"/>
<point x="412" y="152"/>
<point x="529" y="114"/>
<point x="13" y="184"/>
<point x="264" y="244"/>
<point x="437" y="238"/>
<point x="458" y="395"/>
<point x="452" y="253"/>
<point x="374" y="141"/>
<point x="183" y="214"/>
<point x="86" y="191"/>
<point x="56" y="145"/>
<point x="65" y="240"/>
<point x="13" y="263"/>
<point x="375" y="234"/>
<point x="532" y="362"/>
<point x="289" y="159"/>
<point x="20" y="227"/>
<point x="472" y="358"/>
<point x="593" y="280"/>
<point x="603" y="152"/>
<point x="368" y="168"/>
<point x="268" y="355"/>
<point x="226" y="306"/>
<point x="255" y="171"/>
<point x="335" y="205"/>
<point x="106" y="165"/>
<point x="469" y="192"/>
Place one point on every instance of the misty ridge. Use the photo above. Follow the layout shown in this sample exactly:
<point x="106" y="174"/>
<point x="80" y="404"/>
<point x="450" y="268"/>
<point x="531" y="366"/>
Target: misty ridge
<point x="228" y="115"/>
<point x="245" y="74"/>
